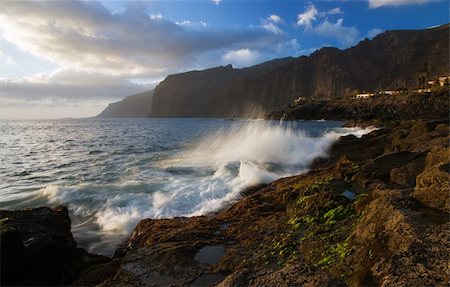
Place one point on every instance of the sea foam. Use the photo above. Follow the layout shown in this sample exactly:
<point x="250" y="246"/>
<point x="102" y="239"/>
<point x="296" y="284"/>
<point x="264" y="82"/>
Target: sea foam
<point x="201" y="179"/>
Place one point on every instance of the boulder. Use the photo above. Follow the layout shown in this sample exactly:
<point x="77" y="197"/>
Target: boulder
<point x="433" y="183"/>
<point x="38" y="248"/>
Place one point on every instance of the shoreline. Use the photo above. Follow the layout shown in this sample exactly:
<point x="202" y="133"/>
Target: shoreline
<point x="271" y="208"/>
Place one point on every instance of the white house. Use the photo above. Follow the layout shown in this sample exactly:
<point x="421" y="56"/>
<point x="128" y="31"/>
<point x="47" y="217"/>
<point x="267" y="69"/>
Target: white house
<point x="364" y="96"/>
<point x="443" y="79"/>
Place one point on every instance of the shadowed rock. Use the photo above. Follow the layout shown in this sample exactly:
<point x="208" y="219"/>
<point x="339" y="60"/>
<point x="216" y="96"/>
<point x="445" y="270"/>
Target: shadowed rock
<point x="37" y="248"/>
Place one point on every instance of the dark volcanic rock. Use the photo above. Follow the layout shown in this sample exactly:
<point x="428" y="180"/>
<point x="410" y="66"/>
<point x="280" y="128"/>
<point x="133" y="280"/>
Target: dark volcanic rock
<point x="37" y="248"/>
<point x="381" y="108"/>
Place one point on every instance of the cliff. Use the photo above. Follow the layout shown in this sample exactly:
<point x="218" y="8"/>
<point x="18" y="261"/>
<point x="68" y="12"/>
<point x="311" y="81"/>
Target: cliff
<point x="136" y="106"/>
<point x="391" y="60"/>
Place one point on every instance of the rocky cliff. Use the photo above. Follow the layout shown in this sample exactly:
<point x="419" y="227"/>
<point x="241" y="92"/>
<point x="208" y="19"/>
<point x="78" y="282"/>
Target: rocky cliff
<point x="391" y="60"/>
<point x="137" y="106"/>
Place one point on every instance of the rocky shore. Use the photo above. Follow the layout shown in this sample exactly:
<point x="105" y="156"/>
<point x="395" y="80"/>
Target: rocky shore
<point x="383" y="109"/>
<point x="374" y="213"/>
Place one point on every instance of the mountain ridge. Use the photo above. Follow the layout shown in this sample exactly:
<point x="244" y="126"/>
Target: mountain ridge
<point x="391" y="60"/>
<point x="135" y="106"/>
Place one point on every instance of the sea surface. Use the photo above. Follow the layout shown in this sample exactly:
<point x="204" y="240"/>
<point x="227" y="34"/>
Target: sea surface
<point x="113" y="172"/>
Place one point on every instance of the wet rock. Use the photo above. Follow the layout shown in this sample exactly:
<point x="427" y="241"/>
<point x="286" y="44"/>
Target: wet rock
<point x="38" y="248"/>
<point x="209" y="254"/>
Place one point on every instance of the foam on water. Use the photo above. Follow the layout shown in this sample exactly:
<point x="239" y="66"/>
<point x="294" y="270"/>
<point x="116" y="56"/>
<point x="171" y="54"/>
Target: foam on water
<point x="201" y="177"/>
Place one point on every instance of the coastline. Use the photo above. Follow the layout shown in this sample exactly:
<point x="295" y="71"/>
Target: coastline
<point x="318" y="228"/>
<point x="277" y="232"/>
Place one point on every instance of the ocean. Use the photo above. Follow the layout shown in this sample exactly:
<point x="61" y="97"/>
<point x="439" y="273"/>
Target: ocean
<point x="113" y="172"/>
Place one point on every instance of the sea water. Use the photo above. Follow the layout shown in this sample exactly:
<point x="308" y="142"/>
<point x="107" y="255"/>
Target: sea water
<point x="113" y="172"/>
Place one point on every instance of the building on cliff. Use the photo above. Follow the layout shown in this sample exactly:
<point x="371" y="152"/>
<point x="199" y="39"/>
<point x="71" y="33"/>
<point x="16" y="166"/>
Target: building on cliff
<point x="443" y="80"/>
<point x="364" y="96"/>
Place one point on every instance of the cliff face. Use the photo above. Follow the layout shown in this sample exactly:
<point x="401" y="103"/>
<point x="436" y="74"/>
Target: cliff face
<point x="391" y="60"/>
<point x="137" y="106"/>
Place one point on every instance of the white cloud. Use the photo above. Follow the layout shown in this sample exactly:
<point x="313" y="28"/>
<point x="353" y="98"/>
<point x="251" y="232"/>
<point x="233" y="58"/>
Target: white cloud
<point x="191" y="25"/>
<point x="241" y="57"/>
<point x="311" y="15"/>
<point x="334" y="11"/>
<point x="271" y="23"/>
<point x="67" y="84"/>
<point x="105" y="55"/>
<point x="64" y="93"/>
<point x="327" y="28"/>
<point x="217" y="2"/>
<point x="86" y="36"/>
<point x="272" y="27"/>
<point x="308" y="17"/>
<point x="373" y="32"/>
<point x="275" y="19"/>
<point x="156" y="17"/>
<point x="381" y="3"/>
<point x="346" y="35"/>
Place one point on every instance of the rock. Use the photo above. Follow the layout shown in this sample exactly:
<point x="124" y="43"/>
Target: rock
<point x="433" y="184"/>
<point x="13" y="255"/>
<point x="38" y="248"/>
<point x="406" y="174"/>
<point x="302" y="231"/>
<point x="395" y="233"/>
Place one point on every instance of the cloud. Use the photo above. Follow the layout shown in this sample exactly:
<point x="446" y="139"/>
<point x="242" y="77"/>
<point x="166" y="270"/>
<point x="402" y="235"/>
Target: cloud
<point x="241" y="57"/>
<point x="217" y="2"/>
<point x="327" y="28"/>
<point x="306" y="18"/>
<point x="346" y="35"/>
<point x="311" y="15"/>
<point x="68" y="85"/>
<point x="275" y="19"/>
<point x="372" y="33"/>
<point x="86" y="36"/>
<point x="102" y="55"/>
<point x="271" y="23"/>
<point x="272" y="27"/>
<point x="7" y="59"/>
<point x="156" y="17"/>
<point x="334" y="11"/>
<point x="395" y="3"/>
<point x="64" y="93"/>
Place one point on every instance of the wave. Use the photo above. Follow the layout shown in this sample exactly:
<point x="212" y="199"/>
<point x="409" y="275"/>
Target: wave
<point x="200" y="180"/>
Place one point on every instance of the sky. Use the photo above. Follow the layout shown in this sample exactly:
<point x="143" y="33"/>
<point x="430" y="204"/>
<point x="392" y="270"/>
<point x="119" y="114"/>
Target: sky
<point x="69" y="58"/>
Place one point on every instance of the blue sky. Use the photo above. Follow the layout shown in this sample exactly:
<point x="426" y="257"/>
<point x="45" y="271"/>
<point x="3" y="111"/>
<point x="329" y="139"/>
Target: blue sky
<point x="71" y="58"/>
